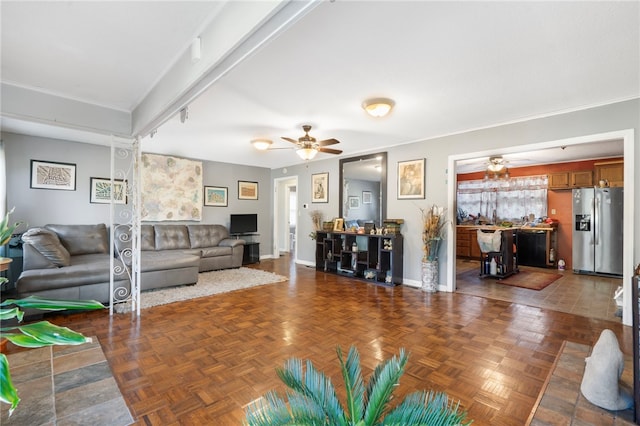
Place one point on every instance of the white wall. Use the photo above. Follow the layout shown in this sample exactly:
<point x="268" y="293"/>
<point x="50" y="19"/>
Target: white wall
<point x="38" y="207"/>
<point x="618" y="116"/>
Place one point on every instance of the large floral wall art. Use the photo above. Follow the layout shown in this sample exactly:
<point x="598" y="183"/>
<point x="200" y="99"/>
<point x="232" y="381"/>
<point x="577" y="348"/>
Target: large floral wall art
<point x="171" y="188"/>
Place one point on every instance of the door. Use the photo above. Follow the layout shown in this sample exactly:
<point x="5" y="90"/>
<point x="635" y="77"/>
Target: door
<point x="609" y="230"/>
<point x="583" y="227"/>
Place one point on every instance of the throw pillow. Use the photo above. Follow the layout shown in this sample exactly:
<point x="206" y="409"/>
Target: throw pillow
<point x="48" y="243"/>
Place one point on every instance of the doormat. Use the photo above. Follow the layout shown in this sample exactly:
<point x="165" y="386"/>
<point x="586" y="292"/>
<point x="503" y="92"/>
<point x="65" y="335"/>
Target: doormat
<point x="531" y="280"/>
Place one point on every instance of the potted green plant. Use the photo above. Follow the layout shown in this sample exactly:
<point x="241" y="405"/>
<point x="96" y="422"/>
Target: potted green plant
<point x="312" y="398"/>
<point x="34" y="335"/>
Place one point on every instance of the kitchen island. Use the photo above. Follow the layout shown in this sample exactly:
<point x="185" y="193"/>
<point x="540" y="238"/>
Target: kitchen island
<point x="534" y="245"/>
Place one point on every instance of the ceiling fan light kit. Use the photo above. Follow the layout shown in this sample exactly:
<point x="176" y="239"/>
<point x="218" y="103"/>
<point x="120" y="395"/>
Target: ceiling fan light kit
<point x="306" y="153"/>
<point x="496" y="164"/>
<point x="307" y="146"/>
<point x="378" y="107"/>
<point x="496" y="168"/>
<point x="261" y="144"/>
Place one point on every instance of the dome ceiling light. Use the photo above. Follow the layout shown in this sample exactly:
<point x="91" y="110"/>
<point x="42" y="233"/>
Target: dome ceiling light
<point x="378" y="107"/>
<point x="261" y="144"/>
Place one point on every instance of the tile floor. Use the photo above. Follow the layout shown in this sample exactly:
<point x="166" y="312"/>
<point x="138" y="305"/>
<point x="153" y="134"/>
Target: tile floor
<point x="60" y="385"/>
<point x="584" y="295"/>
<point x="562" y="403"/>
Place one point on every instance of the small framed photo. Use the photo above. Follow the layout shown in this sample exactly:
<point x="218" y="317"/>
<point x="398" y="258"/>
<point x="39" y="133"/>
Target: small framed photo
<point x="338" y="225"/>
<point x="50" y="175"/>
<point x="101" y="191"/>
<point x="354" y="202"/>
<point x="216" y="196"/>
<point x="366" y="197"/>
<point x="411" y="179"/>
<point x="247" y="190"/>
<point x="320" y="188"/>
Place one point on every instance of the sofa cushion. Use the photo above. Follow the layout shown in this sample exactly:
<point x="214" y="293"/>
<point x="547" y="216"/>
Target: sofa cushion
<point x="216" y="251"/>
<point x="49" y="245"/>
<point x="82" y="239"/>
<point x="84" y="270"/>
<point x="162" y="261"/>
<point x="122" y="236"/>
<point x="171" y="237"/>
<point x="206" y="235"/>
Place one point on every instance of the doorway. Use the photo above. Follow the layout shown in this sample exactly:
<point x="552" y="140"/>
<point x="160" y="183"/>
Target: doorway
<point x="629" y="177"/>
<point x="285" y="217"/>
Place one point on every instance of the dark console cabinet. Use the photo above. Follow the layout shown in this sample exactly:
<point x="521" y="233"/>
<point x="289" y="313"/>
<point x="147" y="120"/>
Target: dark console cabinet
<point x="251" y="253"/>
<point x="375" y="258"/>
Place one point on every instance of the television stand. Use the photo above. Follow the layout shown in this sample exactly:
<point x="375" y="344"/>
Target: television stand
<point x="251" y="248"/>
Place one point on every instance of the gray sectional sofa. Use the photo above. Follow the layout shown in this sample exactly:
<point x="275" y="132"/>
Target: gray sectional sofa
<point x="74" y="261"/>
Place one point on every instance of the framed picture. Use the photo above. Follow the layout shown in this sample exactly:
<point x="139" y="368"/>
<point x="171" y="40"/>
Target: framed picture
<point x="216" y="196"/>
<point x="320" y="188"/>
<point x="101" y="191"/>
<point x="247" y="190"/>
<point x="366" y="197"/>
<point x="411" y="179"/>
<point x="50" y="175"/>
<point x="338" y="225"/>
<point x="354" y="202"/>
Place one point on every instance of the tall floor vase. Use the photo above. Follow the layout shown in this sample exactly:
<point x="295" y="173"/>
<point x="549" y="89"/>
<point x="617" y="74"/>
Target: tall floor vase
<point x="430" y="276"/>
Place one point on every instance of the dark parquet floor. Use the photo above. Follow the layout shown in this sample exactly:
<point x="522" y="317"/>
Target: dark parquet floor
<point x="202" y="361"/>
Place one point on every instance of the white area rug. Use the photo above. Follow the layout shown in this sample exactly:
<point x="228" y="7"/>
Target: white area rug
<point x="209" y="283"/>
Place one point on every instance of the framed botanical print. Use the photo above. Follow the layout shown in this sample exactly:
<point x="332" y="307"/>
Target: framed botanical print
<point x="366" y="197"/>
<point x="100" y="190"/>
<point x="411" y="179"/>
<point x="216" y="196"/>
<point x="247" y="190"/>
<point x="320" y="188"/>
<point x="50" y="175"/>
<point x="354" y="202"/>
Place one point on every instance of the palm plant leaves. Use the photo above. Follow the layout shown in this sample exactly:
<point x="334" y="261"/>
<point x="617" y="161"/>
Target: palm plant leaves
<point x="384" y="380"/>
<point x="352" y="375"/>
<point x="313" y="391"/>
<point x="428" y="409"/>
<point x="312" y="398"/>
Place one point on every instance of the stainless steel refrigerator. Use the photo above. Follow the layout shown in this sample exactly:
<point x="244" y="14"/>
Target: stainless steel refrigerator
<point x="598" y="230"/>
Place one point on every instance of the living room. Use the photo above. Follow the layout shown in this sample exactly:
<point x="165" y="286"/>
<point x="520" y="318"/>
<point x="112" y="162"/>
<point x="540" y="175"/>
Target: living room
<point x="582" y="120"/>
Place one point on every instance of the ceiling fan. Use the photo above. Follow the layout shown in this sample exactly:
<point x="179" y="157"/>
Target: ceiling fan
<point x="308" y="146"/>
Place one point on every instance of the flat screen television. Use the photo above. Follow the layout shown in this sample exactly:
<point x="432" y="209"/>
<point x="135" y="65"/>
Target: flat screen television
<point x="243" y="224"/>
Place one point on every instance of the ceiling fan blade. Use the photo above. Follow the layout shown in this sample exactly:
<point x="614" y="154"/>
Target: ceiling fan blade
<point x="330" y="150"/>
<point x="289" y="140"/>
<point x="328" y="142"/>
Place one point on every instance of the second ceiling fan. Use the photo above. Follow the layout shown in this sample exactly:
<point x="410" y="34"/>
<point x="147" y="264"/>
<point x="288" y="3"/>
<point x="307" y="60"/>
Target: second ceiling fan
<point x="308" y="146"/>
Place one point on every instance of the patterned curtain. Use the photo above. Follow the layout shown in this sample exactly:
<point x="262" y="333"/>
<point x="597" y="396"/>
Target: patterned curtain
<point x="511" y="199"/>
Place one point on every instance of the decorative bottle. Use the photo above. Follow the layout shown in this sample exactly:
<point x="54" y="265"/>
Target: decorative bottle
<point x="493" y="267"/>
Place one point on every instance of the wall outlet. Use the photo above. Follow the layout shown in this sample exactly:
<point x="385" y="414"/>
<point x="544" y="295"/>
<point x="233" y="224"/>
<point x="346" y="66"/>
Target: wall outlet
<point x="553" y="211"/>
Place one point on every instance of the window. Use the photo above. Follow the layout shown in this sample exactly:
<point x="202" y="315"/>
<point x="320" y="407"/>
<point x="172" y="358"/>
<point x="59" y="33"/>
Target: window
<point x="510" y="199"/>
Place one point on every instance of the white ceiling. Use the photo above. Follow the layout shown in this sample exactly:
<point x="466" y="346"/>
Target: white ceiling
<point x="450" y="67"/>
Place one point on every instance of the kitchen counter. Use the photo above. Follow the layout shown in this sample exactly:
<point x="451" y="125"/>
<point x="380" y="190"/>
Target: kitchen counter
<point x="541" y="227"/>
<point x="533" y="248"/>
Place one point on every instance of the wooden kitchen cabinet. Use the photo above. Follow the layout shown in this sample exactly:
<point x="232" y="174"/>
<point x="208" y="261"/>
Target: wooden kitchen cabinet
<point x="582" y="179"/>
<point x="570" y="180"/>
<point x="559" y="180"/>
<point x="610" y="171"/>
<point x="462" y="242"/>
<point x="467" y="243"/>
